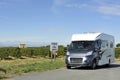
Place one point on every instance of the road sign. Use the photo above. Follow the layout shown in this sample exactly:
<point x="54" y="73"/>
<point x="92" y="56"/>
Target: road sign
<point x="54" y="46"/>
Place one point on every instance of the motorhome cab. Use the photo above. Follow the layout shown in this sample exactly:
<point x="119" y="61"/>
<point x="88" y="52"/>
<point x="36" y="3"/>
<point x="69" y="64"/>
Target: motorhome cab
<point x="90" y="49"/>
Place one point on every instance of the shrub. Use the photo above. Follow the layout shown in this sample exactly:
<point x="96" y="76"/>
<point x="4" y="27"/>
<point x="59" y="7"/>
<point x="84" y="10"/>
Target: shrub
<point x="117" y="52"/>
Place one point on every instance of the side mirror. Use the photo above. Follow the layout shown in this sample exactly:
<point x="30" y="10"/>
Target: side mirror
<point x="97" y="50"/>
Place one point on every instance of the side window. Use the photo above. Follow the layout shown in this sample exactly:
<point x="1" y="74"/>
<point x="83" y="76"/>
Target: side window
<point x="107" y="43"/>
<point x="104" y="44"/>
<point x="99" y="43"/>
<point x="96" y="44"/>
<point x="111" y="44"/>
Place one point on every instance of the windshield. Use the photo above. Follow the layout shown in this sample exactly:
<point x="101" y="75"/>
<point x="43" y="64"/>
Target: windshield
<point x="81" y="45"/>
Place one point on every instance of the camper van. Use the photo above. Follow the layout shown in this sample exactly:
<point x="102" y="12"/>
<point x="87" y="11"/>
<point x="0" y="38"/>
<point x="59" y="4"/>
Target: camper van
<point x="90" y="50"/>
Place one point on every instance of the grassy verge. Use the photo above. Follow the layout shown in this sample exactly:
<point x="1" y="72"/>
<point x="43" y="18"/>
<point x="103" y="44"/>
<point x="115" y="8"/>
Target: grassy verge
<point x="22" y="66"/>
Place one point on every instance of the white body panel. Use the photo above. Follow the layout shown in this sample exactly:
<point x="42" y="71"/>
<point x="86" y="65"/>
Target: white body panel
<point x="85" y="37"/>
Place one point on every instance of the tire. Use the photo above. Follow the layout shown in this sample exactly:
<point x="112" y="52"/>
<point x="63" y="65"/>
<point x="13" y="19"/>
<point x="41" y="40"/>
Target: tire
<point x="94" y="65"/>
<point x="68" y="67"/>
<point x="108" y="65"/>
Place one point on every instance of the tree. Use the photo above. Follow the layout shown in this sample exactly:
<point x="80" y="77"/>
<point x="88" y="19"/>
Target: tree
<point x="118" y="45"/>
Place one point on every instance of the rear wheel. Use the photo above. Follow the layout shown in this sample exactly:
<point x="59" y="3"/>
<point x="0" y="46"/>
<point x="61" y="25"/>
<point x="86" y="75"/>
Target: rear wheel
<point x="108" y="65"/>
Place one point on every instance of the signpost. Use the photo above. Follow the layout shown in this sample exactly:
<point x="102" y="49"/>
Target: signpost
<point x="53" y="49"/>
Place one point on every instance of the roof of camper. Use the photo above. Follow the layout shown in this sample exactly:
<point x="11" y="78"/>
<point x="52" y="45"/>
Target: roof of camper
<point x="85" y="36"/>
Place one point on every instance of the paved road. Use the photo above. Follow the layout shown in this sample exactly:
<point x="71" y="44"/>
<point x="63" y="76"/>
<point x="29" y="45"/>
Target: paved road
<point x="102" y="73"/>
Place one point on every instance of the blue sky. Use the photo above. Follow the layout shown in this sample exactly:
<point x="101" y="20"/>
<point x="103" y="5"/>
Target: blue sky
<point x="56" y="20"/>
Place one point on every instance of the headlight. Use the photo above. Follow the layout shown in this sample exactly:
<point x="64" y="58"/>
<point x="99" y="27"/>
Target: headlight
<point x="90" y="57"/>
<point x="90" y="53"/>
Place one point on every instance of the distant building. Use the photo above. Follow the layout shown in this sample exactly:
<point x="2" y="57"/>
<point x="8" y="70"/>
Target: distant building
<point x="22" y="45"/>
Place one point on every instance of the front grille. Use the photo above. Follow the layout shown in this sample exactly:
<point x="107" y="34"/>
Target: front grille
<point x="76" y="60"/>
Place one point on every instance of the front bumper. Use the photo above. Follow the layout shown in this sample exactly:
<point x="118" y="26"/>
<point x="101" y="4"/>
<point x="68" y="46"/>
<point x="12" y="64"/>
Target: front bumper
<point x="83" y="63"/>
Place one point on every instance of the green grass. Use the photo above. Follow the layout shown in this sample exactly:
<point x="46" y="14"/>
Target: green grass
<point x="22" y="66"/>
<point x="2" y="77"/>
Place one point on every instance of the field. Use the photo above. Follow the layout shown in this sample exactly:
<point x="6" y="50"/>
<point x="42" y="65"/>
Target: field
<point x="16" y="61"/>
<point x="27" y="62"/>
<point x="23" y="66"/>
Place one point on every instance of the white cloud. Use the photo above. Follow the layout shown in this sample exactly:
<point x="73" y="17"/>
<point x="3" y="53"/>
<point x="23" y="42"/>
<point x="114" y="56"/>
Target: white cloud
<point x="108" y="7"/>
<point x="58" y="2"/>
<point x="111" y="10"/>
<point x="56" y="5"/>
<point x="76" y="5"/>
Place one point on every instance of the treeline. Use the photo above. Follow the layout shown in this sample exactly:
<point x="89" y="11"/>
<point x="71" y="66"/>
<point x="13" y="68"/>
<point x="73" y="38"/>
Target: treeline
<point x="43" y="51"/>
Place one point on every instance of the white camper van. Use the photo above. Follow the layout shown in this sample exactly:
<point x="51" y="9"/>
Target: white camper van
<point x="90" y="50"/>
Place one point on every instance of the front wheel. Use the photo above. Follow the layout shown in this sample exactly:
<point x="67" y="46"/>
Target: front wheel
<point x="68" y="67"/>
<point x="94" y="65"/>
